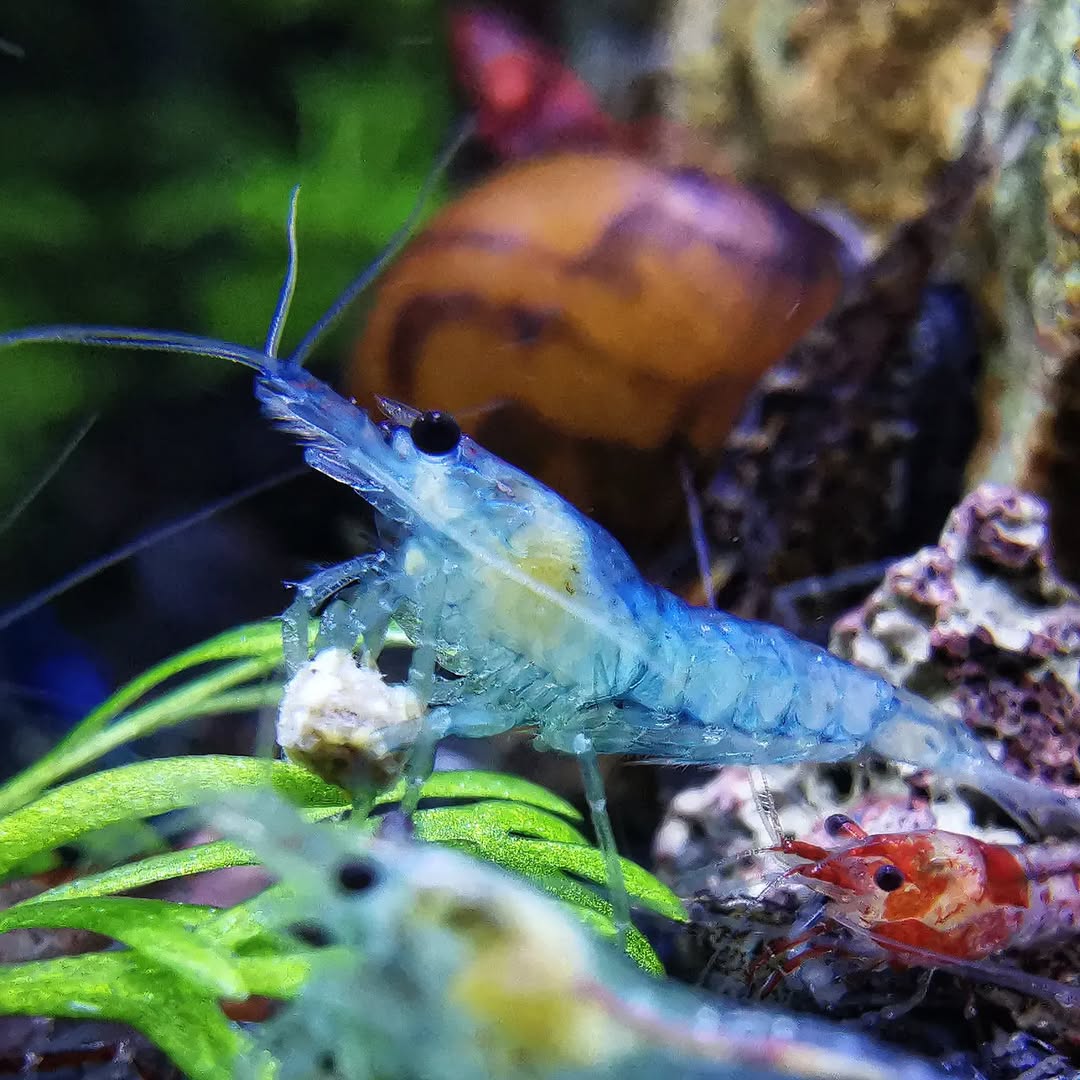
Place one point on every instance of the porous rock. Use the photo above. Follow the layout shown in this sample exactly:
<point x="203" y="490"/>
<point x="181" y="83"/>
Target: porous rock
<point x="983" y="625"/>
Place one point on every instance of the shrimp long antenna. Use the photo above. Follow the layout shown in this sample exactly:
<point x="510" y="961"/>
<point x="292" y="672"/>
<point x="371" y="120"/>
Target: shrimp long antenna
<point x="288" y="285"/>
<point x="140" y="543"/>
<point x="43" y="481"/>
<point x="124" y="337"/>
<point x="388" y="254"/>
<point x="128" y="337"/>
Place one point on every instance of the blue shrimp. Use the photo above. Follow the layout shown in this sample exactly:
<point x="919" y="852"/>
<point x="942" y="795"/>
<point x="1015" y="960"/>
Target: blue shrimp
<point x="446" y="968"/>
<point x="543" y="620"/>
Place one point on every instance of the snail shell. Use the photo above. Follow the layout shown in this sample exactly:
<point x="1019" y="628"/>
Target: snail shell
<point x="607" y="306"/>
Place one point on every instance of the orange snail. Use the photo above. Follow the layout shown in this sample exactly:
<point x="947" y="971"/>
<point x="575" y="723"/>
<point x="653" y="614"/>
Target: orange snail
<point x="597" y="316"/>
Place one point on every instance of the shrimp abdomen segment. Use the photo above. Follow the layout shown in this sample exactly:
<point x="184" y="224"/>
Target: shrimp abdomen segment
<point x="712" y="689"/>
<point x="754" y="694"/>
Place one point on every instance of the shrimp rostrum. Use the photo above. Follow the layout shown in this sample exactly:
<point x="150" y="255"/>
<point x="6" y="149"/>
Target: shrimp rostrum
<point x="543" y="621"/>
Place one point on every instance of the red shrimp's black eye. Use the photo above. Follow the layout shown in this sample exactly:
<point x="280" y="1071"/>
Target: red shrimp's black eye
<point x="888" y="878"/>
<point x="836" y="824"/>
<point x="357" y="875"/>
<point x="435" y="433"/>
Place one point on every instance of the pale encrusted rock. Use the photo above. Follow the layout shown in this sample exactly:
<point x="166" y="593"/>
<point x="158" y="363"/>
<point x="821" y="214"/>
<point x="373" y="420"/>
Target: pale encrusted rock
<point x="983" y="625"/>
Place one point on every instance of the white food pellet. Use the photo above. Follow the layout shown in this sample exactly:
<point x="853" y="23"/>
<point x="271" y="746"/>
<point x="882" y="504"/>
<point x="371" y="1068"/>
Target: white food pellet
<point x="335" y="711"/>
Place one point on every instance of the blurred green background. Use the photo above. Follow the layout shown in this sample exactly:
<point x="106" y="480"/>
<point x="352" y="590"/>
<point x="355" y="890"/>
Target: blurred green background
<point x="148" y="151"/>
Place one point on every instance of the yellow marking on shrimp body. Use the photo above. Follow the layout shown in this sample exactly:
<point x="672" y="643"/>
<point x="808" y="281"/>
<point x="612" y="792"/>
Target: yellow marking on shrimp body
<point x="549" y="551"/>
<point x="520" y="984"/>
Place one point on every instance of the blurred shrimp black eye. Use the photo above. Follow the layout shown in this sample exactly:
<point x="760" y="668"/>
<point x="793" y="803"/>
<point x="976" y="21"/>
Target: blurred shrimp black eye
<point x="435" y="433"/>
<point x="888" y="878"/>
<point x="357" y="875"/>
<point x="836" y="824"/>
<point x="311" y="933"/>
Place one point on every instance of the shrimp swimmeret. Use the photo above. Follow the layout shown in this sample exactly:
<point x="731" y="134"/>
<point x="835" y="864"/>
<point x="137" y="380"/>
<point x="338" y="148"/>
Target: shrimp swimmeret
<point x="544" y="621"/>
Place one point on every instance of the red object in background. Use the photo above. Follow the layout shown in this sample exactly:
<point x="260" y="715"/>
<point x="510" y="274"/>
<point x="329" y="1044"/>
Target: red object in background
<point x="528" y="102"/>
<point x="526" y="99"/>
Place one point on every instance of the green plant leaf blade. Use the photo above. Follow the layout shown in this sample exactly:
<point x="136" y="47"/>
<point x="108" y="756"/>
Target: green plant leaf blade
<point x="533" y="858"/>
<point x="144" y="790"/>
<point x="122" y="986"/>
<point x="275" y="976"/>
<point x="261" y="639"/>
<point x="165" y="933"/>
<point x="459" y="822"/>
<point x="637" y="944"/>
<point x="588" y="863"/>
<point x="591" y="907"/>
<point x="479" y="784"/>
<point x="216" y="855"/>
<point x="201" y="697"/>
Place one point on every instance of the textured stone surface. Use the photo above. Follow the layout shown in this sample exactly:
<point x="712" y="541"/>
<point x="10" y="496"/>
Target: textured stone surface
<point x="1031" y="418"/>
<point x="869" y="421"/>
<point x="983" y="625"/>
<point x="844" y="102"/>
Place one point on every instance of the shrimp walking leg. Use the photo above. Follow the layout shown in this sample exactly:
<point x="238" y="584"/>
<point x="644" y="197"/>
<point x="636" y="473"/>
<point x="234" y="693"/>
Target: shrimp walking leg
<point x="422" y="679"/>
<point x="316" y="591"/>
<point x="901" y="1008"/>
<point x="605" y="835"/>
<point x="421" y="762"/>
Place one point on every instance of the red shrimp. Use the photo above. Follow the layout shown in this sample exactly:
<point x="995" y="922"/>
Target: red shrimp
<point x="935" y="899"/>
<point x="527" y="99"/>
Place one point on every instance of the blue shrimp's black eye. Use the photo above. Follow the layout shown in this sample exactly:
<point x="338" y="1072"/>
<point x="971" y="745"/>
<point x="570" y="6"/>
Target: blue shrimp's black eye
<point x="435" y="433"/>
<point x="357" y="875"/>
<point x="311" y="933"/>
<point x="888" y="878"/>
<point x="836" y="825"/>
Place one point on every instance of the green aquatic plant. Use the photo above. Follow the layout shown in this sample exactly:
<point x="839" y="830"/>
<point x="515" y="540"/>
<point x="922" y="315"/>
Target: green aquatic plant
<point x="180" y="960"/>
